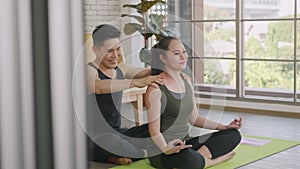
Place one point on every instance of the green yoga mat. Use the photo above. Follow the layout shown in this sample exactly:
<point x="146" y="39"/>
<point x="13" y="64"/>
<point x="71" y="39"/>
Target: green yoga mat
<point x="245" y="154"/>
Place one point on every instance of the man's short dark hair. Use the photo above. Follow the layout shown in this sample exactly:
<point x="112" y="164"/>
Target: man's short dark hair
<point x="104" y="32"/>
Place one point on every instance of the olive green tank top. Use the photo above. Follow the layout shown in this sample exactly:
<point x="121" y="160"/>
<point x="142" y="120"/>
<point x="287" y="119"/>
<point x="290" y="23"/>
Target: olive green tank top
<point x="175" y="113"/>
<point x="174" y="118"/>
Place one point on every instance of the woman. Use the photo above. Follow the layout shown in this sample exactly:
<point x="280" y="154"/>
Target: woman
<point x="171" y="108"/>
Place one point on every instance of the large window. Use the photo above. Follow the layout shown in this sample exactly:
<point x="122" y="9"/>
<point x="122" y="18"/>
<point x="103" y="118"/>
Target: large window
<point x="298" y="81"/>
<point x="241" y="48"/>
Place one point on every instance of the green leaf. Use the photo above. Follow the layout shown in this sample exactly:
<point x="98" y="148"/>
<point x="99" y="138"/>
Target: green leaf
<point x="145" y="56"/>
<point x="137" y="7"/>
<point x="150" y="28"/>
<point x="157" y="20"/>
<point x="144" y="6"/>
<point x="159" y="37"/>
<point x="147" y="35"/>
<point x="138" y="18"/>
<point x="171" y="31"/>
<point x="165" y="33"/>
<point x="130" y="28"/>
<point x="154" y="26"/>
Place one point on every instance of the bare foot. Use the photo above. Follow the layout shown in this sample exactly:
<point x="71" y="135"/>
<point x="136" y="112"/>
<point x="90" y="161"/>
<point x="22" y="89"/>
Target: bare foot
<point x="228" y="156"/>
<point x="204" y="151"/>
<point x="218" y="160"/>
<point x="122" y="161"/>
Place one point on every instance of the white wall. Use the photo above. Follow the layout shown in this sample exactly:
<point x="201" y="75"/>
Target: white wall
<point x="99" y="12"/>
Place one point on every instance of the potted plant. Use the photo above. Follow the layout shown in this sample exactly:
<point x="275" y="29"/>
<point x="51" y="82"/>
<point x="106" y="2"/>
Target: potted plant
<point x="148" y="25"/>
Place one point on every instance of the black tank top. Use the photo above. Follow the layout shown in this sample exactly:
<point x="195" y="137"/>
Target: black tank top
<point x="110" y="104"/>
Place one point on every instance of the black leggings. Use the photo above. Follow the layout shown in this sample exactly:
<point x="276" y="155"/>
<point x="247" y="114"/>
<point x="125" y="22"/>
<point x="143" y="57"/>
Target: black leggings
<point x="117" y="143"/>
<point x="218" y="143"/>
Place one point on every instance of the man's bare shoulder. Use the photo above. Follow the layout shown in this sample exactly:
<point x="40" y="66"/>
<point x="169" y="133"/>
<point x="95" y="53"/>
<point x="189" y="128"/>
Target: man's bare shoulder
<point x="90" y="69"/>
<point x="132" y="71"/>
<point x="124" y="66"/>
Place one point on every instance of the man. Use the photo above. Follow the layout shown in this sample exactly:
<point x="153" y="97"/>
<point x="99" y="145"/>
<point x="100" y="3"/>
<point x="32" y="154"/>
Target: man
<point x="105" y="82"/>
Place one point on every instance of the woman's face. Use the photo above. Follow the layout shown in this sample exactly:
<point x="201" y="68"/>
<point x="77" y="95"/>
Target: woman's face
<point x="176" y="56"/>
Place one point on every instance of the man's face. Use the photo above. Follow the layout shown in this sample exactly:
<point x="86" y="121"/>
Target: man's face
<point x="109" y="53"/>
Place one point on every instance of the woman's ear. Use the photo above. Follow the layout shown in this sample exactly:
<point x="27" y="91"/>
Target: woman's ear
<point x="163" y="58"/>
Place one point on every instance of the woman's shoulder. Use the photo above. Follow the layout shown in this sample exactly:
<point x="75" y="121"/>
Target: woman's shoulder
<point x="153" y="89"/>
<point x="152" y="95"/>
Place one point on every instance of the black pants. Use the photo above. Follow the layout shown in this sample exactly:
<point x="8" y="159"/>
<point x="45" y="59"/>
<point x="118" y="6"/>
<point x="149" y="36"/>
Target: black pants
<point x="219" y="143"/>
<point x="118" y="145"/>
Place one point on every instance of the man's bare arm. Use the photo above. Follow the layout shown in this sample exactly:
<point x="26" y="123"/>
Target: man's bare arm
<point x="114" y="85"/>
<point x="133" y="72"/>
<point x="98" y="86"/>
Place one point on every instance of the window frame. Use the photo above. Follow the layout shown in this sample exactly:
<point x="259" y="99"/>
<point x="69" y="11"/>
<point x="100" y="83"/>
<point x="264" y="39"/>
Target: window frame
<point x="241" y="91"/>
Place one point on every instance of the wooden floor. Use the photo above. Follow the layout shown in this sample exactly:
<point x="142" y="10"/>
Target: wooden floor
<point x="259" y="125"/>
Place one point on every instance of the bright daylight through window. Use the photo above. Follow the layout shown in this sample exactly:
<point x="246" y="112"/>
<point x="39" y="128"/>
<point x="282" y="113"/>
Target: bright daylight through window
<point x="245" y="49"/>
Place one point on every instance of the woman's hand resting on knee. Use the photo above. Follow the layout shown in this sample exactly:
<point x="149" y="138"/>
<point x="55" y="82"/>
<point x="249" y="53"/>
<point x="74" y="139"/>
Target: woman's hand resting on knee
<point x="175" y="146"/>
<point x="236" y="124"/>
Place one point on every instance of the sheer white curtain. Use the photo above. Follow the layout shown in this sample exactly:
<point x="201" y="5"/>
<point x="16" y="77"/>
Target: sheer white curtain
<point x="10" y="87"/>
<point x="18" y="138"/>
<point x="65" y="33"/>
